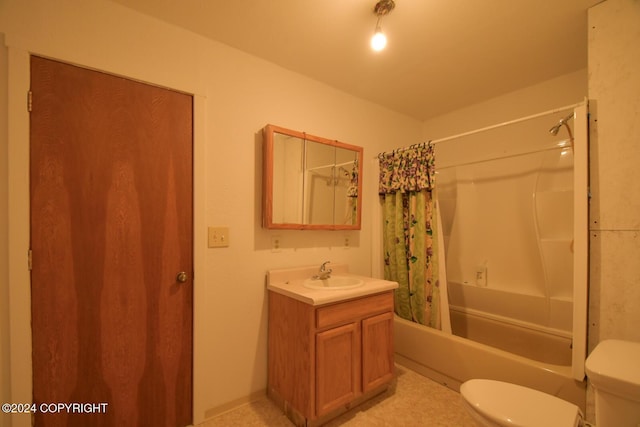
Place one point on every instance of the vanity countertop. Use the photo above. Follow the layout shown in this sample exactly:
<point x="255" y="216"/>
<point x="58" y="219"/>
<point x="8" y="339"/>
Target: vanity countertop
<point x="290" y="281"/>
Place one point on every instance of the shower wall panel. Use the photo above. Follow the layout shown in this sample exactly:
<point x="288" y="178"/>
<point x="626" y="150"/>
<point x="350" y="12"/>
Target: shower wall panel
<point x="507" y="213"/>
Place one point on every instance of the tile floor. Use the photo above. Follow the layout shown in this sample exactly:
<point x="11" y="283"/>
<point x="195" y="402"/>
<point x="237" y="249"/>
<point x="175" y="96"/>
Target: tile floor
<point x="414" y="401"/>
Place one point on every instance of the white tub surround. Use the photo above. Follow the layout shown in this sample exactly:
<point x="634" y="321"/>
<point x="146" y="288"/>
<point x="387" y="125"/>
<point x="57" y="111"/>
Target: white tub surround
<point x="514" y="210"/>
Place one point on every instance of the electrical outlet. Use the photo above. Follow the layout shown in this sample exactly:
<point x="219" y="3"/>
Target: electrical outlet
<point x="218" y="237"/>
<point x="346" y="243"/>
<point x="275" y="244"/>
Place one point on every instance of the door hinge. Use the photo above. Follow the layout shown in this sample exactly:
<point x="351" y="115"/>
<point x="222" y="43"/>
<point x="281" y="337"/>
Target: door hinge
<point x="30" y="259"/>
<point x="29" y="101"/>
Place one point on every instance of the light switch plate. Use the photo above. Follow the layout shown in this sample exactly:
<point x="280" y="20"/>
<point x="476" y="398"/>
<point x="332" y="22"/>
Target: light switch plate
<point x="218" y="237"/>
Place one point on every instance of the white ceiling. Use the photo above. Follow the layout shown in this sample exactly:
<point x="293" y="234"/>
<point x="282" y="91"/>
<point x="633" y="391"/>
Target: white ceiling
<point x="441" y="55"/>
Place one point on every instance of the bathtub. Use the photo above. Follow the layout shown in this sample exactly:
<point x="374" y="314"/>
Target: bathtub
<point x="532" y="341"/>
<point x="451" y="360"/>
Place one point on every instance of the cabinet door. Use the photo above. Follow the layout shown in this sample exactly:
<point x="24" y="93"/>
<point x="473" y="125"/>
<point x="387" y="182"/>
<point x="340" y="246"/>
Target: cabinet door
<point x="337" y="367"/>
<point x="377" y="351"/>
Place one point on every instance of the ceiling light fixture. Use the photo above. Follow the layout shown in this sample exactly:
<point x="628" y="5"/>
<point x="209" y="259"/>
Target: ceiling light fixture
<point x="382" y="8"/>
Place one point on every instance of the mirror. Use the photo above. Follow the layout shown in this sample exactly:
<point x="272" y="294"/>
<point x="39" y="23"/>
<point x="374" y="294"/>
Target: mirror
<point x="310" y="183"/>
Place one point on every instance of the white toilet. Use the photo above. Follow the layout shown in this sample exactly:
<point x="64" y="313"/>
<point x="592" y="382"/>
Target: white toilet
<point x="613" y="369"/>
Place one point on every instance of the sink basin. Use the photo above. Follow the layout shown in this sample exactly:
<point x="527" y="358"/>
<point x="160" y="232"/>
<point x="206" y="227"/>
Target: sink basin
<point x="334" y="283"/>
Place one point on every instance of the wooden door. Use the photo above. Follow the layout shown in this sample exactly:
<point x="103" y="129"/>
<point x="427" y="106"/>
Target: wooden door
<point x="111" y="227"/>
<point x="377" y="351"/>
<point x="337" y="367"/>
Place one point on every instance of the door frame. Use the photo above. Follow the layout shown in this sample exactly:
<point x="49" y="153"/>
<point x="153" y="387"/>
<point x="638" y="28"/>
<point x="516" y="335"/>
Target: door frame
<point x="21" y="381"/>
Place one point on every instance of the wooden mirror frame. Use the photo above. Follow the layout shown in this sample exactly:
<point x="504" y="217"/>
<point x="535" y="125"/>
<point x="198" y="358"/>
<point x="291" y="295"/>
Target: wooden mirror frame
<point x="268" y="180"/>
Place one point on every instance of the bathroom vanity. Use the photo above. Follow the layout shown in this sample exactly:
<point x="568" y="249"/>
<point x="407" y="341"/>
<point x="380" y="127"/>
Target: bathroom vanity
<point x="329" y="349"/>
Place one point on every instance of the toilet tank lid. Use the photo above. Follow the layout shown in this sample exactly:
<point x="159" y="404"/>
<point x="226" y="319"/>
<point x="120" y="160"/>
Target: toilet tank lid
<point x="615" y="365"/>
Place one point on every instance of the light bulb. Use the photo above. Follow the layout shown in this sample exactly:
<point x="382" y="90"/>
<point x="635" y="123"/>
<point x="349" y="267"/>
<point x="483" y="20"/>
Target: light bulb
<point x="378" y="41"/>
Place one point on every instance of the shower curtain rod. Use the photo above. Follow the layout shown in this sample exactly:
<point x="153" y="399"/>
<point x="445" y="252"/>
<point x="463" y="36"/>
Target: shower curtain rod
<point x="337" y="165"/>
<point x="510" y="122"/>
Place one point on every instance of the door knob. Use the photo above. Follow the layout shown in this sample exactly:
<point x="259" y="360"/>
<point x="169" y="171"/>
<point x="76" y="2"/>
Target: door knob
<point x="181" y="277"/>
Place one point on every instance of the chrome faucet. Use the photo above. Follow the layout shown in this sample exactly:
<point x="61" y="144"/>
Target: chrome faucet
<point x="323" y="273"/>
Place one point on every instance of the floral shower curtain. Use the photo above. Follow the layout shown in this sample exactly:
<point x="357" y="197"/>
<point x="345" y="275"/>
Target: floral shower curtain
<point x="407" y="192"/>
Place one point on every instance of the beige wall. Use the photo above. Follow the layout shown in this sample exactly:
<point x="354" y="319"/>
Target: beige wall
<point x="558" y="92"/>
<point x="236" y="95"/>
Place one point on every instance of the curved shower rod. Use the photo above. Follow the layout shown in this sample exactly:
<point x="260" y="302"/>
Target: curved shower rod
<point x="510" y="122"/>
